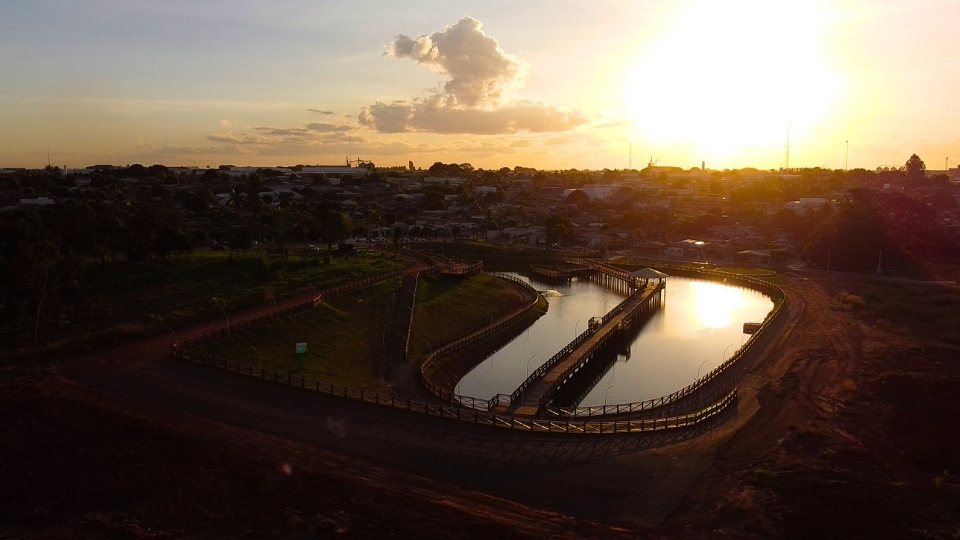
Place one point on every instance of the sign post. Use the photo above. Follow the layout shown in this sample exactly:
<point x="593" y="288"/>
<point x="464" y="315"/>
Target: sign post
<point x="301" y="350"/>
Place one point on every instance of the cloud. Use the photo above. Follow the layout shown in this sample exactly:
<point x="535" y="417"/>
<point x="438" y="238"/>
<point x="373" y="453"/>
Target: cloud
<point x="319" y="111"/>
<point x="614" y="123"/>
<point x="225" y="125"/>
<point x="522" y="116"/>
<point x="325" y="127"/>
<point x="478" y="98"/>
<point x="480" y="72"/>
<point x="145" y="148"/>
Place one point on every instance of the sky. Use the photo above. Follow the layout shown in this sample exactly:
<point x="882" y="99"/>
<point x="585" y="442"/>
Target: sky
<point x="551" y="84"/>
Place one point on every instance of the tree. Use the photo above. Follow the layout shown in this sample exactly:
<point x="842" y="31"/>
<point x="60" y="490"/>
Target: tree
<point x="559" y="229"/>
<point x="169" y="239"/>
<point x="915" y="169"/>
<point x="578" y="198"/>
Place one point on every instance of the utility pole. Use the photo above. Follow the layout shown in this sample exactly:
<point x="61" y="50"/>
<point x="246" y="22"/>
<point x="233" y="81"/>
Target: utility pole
<point x="846" y="158"/>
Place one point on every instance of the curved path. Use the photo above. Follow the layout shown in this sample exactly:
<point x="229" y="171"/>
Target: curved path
<point x="608" y="478"/>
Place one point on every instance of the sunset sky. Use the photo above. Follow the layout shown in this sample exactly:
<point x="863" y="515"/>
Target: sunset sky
<point x="543" y="83"/>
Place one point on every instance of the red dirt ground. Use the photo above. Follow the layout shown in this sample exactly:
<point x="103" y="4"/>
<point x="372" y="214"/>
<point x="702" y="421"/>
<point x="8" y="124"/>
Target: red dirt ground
<point x="842" y="431"/>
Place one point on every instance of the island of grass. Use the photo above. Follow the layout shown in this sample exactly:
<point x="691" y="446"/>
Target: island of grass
<point x="346" y="336"/>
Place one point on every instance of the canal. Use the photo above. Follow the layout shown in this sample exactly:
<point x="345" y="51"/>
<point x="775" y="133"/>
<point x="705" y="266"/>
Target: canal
<point x="699" y="326"/>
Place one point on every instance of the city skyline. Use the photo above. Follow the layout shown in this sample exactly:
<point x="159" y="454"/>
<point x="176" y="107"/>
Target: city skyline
<point x="541" y="84"/>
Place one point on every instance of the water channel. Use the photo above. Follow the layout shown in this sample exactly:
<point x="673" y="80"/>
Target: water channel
<point x="699" y="326"/>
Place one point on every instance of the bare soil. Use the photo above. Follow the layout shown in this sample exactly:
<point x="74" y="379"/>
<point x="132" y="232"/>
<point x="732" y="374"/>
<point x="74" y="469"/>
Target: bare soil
<point x="845" y="429"/>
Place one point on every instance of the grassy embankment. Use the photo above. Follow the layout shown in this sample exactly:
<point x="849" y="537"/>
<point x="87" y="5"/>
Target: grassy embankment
<point x="126" y="300"/>
<point x="450" y="308"/>
<point x="343" y="336"/>
<point x="928" y="310"/>
<point x="458" y="315"/>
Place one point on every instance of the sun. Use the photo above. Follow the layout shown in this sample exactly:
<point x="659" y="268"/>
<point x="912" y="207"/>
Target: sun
<point x="730" y="75"/>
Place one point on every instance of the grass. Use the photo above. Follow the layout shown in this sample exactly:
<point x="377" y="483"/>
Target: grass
<point x="343" y="337"/>
<point x="181" y="292"/>
<point x="450" y="308"/>
<point x="927" y="310"/>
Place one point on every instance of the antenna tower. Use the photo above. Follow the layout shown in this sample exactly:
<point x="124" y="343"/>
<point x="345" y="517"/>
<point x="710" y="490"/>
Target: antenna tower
<point x="630" y="166"/>
<point x="786" y="155"/>
<point x="846" y="157"/>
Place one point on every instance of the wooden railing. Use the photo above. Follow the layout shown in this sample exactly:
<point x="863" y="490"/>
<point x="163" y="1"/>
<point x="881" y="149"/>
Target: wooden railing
<point x="564" y="375"/>
<point x="479" y="335"/>
<point x="665" y="401"/>
<point x="469" y="415"/>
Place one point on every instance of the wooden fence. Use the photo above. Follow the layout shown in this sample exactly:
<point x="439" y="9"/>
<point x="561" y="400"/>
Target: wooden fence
<point x="666" y="401"/>
<point x="471" y="416"/>
<point x="479" y="335"/>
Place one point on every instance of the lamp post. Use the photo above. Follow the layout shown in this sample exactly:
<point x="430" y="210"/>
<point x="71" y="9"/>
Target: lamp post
<point x="605" y="305"/>
<point x="528" y="366"/>
<point x="258" y="355"/>
<point x="724" y="355"/>
<point x="220" y="303"/>
<point x="175" y="338"/>
<point x="523" y="396"/>
<point x="605" y="398"/>
<point x="698" y="370"/>
<point x="575" y="328"/>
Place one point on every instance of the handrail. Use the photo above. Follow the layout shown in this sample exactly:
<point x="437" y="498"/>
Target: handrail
<point x="664" y="401"/>
<point x="449" y="348"/>
<point x="573" y="367"/>
<point x="469" y="415"/>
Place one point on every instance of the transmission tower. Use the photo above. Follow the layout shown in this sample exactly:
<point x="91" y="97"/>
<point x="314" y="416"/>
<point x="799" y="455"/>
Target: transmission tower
<point x="786" y="154"/>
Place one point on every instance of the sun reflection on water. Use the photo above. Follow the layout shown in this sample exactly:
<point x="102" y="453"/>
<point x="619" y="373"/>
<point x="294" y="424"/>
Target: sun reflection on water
<point x="715" y="304"/>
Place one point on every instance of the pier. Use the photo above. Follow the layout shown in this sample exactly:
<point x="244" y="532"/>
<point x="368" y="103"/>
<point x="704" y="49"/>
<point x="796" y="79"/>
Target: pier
<point x="538" y="390"/>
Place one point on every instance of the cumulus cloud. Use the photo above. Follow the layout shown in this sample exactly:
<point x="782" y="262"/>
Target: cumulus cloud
<point x="481" y="74"/>
<point x="478" y="97"/>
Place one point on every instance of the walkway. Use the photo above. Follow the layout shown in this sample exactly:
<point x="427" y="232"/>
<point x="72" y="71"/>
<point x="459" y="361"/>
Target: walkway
<point x="540" y="387"/>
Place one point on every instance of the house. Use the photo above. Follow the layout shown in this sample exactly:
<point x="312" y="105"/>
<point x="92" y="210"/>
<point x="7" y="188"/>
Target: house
<point x="802" y="205"/>
<point x="754" y="256"/>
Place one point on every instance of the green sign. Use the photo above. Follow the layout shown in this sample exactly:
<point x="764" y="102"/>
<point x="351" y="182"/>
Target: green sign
<point x="301" y="348"/>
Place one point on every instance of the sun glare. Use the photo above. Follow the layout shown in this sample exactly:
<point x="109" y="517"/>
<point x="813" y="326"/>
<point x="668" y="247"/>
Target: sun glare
<point x="715" y="304"/>
<point x="730" y="75"/>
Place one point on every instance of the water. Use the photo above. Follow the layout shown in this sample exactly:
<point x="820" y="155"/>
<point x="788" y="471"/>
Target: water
<point x="699" y="326"/>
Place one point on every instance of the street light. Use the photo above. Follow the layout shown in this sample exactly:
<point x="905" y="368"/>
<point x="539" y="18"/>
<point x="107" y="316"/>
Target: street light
<point x="605" y="305"/>
<point x="605" y="398"/>
<point x="698" y="369"/>
<point x="575" y="334"/>
<point x="220" y="307"/>
<point x="175" y="338"/>
<point x="528" y="365"/>
<point x="724" y="355"/>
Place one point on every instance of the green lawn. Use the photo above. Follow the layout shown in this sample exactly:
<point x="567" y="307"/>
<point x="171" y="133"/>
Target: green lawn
<point x="450" y="308"/>
<point x="181" y="292"/>
<point x="343" y="338"/>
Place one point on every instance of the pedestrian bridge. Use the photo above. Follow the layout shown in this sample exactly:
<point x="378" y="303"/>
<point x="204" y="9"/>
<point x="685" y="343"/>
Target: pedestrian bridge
<point x="539" y="389"/>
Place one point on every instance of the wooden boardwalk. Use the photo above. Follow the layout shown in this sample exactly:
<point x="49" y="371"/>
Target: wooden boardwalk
<point x="540" y="387"/>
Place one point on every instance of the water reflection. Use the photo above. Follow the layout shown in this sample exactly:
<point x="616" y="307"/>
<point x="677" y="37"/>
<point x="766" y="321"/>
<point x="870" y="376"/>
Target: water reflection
<point x="700" y="326"/>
